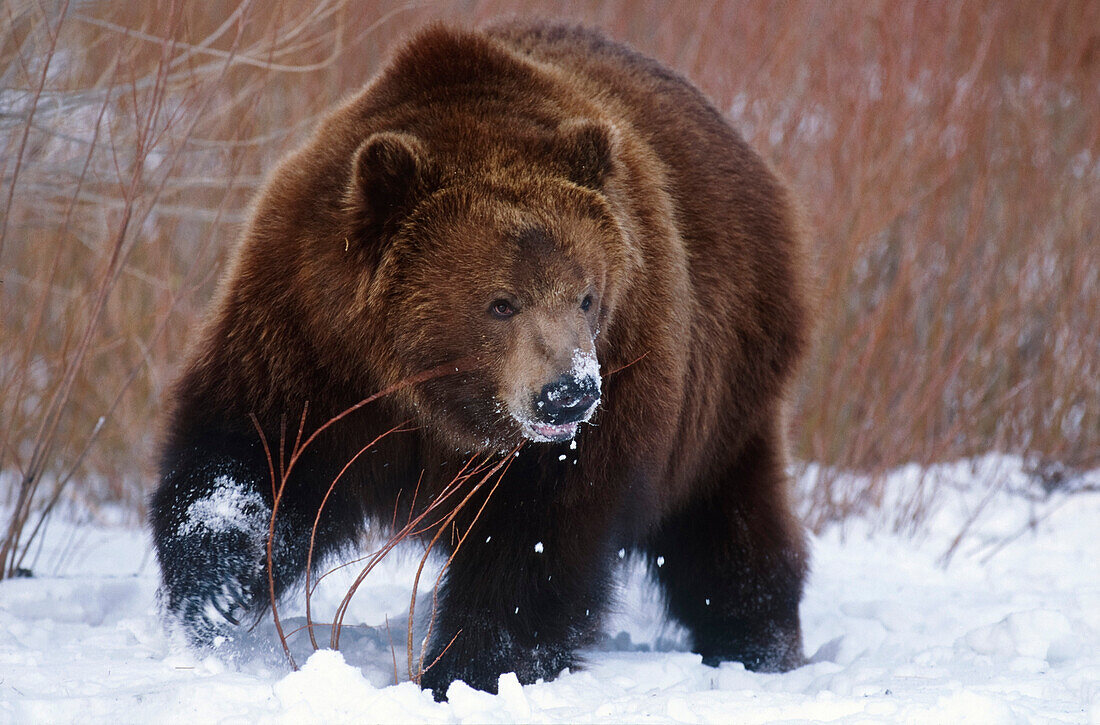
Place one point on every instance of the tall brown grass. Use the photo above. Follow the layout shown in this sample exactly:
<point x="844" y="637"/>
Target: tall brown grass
<point x="947" y="154"/>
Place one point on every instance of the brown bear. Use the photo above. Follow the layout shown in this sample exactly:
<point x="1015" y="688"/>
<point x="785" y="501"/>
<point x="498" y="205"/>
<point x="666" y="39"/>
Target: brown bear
<point x="615" y="278"/>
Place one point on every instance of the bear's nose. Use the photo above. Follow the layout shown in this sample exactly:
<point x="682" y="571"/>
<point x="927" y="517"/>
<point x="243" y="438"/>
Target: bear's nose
<point x="567" y="400"/>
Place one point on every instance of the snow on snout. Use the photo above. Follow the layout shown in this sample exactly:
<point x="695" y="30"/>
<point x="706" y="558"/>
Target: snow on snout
<point x="585" y="365"/>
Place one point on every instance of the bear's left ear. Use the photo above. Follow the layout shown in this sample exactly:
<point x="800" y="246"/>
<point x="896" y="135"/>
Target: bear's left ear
<point x="587" y="149"/>
<point x="390" y="174"/>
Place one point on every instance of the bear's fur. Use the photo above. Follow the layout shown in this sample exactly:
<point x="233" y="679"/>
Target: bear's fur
<point x="562" y="221"/>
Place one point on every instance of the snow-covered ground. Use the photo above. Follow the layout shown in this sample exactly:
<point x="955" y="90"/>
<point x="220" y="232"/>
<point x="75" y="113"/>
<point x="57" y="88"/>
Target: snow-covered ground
<point x="1007" y="631"/>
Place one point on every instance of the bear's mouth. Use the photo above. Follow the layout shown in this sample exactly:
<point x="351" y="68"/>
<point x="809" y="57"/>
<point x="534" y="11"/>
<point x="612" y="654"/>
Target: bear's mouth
<point x="546" y="433"/>
<point x="543" y="431"/>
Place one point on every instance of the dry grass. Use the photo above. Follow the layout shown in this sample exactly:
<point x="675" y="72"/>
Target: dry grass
<point x="437" y="517"/>
<point x="947" y="154"/>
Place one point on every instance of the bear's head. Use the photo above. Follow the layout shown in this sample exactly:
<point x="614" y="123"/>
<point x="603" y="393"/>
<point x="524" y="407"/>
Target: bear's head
<point x="508" y="275"/>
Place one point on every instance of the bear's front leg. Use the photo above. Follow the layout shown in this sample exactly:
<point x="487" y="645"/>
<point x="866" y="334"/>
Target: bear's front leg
<point x="211" y="517"/>
<point x="210" y="527"/>
<point x="520" y="598"/>
<point x="732" y="564"/>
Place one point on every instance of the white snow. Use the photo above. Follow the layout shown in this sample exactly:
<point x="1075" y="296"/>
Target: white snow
<point x="231" y="507"/>
<point x="1008" y="630"/>
<point x="585" y="365"/>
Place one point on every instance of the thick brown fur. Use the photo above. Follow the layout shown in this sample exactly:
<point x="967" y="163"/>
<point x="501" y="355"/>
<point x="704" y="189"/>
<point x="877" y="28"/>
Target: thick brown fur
<point x="615" y="213"/>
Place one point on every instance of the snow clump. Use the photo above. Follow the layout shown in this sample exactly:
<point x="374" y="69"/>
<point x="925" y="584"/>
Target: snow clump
<point x="231" y="507"/>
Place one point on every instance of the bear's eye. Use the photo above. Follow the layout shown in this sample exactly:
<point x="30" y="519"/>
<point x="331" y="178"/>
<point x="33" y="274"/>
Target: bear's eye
<point x="502" y="309"/>
<point x="586" y="303"/>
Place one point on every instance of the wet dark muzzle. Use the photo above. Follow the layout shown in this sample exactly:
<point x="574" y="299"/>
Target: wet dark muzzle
<point x="567" y="400"/>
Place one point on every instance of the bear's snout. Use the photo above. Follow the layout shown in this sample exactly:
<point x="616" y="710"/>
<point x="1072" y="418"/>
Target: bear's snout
<point x="569" y="399"/>
<point x="556" y="410"/>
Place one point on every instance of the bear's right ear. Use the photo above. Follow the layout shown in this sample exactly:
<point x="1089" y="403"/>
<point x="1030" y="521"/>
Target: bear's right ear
<point x="390" y="174"/>
<point x="587" y="150"/>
